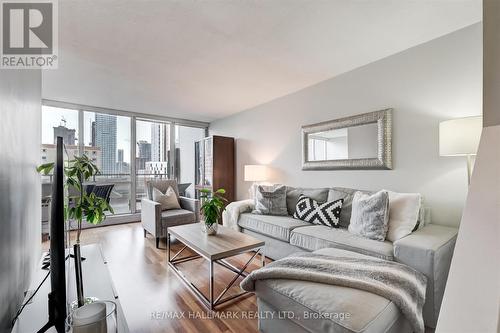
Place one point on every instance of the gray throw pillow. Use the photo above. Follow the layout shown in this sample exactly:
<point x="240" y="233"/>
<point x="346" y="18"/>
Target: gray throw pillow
<point x="370" y="215"/>
<point x="270" y="200"/>
<point x="293" y="193"/>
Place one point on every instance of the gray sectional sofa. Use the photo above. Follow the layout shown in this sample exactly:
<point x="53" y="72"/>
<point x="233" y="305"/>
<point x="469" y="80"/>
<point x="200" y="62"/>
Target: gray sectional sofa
<point x="428" y="249"/>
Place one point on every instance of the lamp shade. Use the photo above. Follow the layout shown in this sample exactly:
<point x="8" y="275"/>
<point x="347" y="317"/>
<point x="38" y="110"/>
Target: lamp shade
<point x="255" y="173"/>
<point x="460" y="137"/>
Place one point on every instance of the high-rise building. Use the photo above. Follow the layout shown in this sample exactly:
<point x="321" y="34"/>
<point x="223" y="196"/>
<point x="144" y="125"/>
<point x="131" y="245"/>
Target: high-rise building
<point x="160" y="136"/>
<point x="144" y="149"/>
<point x="105" y="138"/>
<point x="121" y="166"/>
<point x="143" y="154"/>
<point x="68" y="134"/>
<point x="49" y="153"/>
<point x="92" y="138"/>
<point x="120" y="155"/>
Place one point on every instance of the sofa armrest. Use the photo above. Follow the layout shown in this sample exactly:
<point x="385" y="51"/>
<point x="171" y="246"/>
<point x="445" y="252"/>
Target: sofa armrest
<point x="151" y="217"/>
<point x="429" y="250"/>
<point x="231" y="214"/>
<point x="191" y="205"/>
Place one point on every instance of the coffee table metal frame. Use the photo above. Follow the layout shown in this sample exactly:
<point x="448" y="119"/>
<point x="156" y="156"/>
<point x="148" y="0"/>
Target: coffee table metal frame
<point x="211" y="302"/>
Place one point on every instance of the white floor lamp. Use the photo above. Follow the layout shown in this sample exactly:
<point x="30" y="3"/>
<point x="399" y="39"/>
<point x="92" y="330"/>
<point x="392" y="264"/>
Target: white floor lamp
<point x="460" y="137"/>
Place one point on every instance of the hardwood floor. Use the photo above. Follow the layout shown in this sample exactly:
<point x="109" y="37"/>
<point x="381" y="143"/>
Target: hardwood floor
<point x="154" y="299"/>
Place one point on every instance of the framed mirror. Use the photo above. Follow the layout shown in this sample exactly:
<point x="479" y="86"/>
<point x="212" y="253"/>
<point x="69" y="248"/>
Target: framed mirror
<point x="358" y="142"/>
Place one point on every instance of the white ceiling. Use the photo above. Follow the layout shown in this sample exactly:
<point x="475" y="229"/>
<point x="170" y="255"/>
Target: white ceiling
<point x="204" y="60"/>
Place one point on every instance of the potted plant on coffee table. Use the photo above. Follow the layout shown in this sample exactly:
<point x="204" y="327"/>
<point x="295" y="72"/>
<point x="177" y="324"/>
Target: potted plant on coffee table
<point x="212" y="206"/>
<point x="81" y="206"/>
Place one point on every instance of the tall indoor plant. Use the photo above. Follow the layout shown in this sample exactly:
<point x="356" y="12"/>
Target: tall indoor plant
<point x="81" y="206"/>
<point x="212" y="206"/>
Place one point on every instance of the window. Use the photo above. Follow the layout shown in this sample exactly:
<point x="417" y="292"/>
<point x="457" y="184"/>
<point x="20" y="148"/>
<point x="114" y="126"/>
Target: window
<point x="58" y="122"/>
<point x="107" y="144"/>
<point x="110" y="137"/>
<point x="152" y="160"/>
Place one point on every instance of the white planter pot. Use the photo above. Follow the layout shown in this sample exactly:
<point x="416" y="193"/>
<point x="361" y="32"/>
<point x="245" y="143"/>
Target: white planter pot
<point x="209" y="229"/>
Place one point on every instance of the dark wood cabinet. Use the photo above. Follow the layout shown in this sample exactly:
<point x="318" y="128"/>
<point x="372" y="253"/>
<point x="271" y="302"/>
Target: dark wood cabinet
<point x="214" y="165"/>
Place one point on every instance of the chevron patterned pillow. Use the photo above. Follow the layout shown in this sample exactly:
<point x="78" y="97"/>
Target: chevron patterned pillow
<point x="310" y="210"/>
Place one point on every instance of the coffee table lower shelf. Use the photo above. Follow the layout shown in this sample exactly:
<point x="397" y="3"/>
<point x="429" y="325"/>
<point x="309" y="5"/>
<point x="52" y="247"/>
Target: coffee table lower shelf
<point x="211" y="302"/>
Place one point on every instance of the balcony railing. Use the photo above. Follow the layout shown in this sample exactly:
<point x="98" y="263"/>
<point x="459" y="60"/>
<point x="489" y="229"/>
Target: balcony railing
<point x="120" y="198"/>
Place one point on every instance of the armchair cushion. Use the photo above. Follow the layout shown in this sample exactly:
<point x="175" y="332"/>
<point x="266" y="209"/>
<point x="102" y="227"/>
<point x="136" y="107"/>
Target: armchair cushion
<point x="173" y="217"/>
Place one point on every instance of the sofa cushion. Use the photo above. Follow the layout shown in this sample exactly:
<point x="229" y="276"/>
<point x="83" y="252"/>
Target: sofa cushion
<point x="347" y="194"/>
<point x="278" y="227"/>
<point x="170" y="218"/>
<point x="330" y="308"/>
<point x="317" y="237"/>
<point x="293" y="193"/>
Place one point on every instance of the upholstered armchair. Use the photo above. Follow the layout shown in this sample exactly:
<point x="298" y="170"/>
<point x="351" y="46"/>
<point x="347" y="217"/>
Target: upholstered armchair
<point x="155" y="221"/>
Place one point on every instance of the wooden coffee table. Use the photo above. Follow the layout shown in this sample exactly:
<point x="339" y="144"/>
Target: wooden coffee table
<point x="215" y="249"/>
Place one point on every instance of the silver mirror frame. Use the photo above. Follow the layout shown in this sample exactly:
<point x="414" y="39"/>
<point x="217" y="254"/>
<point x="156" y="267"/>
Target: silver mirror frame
<point x="382" y="118"/>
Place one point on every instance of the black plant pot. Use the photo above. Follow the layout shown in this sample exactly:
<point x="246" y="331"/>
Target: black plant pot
<point x="78" y="275"/>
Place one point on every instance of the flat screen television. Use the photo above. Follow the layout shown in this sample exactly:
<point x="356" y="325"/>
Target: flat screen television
<point x="57" y="296"/>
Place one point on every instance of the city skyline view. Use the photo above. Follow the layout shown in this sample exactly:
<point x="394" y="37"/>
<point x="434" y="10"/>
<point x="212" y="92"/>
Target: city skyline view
<point x="54" y="117"/>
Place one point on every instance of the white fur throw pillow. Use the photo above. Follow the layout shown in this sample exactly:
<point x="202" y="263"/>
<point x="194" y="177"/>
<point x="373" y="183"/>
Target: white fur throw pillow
<point x="370" y="214"/>
<point x="403" y="214"/>
<point x="167" y="200"/>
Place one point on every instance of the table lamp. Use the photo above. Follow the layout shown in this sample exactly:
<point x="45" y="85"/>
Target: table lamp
<point x="460" y="137"/>
<point x="255" y="173"/>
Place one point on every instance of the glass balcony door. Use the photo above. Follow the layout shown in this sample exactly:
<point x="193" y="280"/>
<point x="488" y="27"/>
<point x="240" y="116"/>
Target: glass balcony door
<point x="152" y="154"/>
<point x="107" y="143"/>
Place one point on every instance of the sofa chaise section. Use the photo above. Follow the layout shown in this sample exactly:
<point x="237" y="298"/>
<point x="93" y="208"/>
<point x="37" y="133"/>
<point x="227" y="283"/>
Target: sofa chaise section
<point x="303" y="306"/>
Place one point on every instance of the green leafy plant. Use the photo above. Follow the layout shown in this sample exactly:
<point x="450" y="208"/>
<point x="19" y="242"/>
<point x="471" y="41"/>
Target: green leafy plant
<point x="81" y="206"/>
<point x="212" y="205"/>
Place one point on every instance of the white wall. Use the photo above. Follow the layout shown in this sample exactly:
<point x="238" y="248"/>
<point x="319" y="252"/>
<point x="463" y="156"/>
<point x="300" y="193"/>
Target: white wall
<point x="471" y="298"/>
<point x="426" y="84"/>
<point x="20" y="205"/>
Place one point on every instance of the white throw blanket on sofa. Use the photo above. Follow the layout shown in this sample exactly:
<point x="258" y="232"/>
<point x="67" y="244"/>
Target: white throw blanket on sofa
<point x="232" y="213"/>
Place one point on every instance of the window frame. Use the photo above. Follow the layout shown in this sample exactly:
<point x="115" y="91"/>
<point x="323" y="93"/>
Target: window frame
<point x="134" y="117"/>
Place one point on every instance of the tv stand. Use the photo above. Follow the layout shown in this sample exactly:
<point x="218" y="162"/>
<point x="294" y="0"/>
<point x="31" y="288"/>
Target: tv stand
<point x="96" y="281"/>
